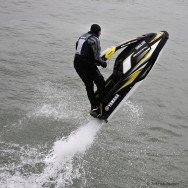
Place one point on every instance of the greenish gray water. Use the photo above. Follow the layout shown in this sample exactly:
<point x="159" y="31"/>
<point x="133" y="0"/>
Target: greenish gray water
<point x="47" y="138"/>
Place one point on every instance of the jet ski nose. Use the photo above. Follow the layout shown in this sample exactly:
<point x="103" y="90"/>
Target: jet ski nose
<point x="166" y="34"/>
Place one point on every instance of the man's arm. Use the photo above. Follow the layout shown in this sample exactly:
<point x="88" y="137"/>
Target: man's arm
<point x="95" y="45"/>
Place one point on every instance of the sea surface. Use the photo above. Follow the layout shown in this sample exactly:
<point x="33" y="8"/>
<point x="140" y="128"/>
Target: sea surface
<point x="48" y="139"/>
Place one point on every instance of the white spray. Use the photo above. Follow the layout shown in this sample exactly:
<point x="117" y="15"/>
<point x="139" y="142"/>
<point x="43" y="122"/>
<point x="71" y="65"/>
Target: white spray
<point x="59" y="163"/>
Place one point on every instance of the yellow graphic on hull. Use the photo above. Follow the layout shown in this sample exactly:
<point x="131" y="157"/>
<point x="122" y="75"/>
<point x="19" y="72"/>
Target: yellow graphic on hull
<point x="130" y="80"/>
<point x="157" y="37"/>
<point x="110" y="81"/>
<point x="100" y="109"/>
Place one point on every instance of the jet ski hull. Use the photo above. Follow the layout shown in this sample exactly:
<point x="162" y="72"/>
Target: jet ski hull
<point x="131" y="67"/>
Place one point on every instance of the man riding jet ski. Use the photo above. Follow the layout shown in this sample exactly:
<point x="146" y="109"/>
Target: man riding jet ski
<point x="130" y="68"/>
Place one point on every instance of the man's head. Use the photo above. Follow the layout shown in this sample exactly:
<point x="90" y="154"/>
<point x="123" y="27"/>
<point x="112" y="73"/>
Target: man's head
<point x="96" y="29"/>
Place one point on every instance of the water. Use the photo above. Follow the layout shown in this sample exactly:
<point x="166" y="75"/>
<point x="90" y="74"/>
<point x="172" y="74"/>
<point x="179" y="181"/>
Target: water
<point x="47" y="138"/>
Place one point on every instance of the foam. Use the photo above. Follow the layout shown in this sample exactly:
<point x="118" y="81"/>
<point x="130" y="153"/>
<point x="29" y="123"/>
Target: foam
<point x="60" y="165"/>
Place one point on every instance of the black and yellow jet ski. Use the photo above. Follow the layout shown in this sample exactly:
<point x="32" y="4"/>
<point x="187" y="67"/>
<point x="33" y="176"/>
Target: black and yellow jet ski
<point x="131" y="67"/>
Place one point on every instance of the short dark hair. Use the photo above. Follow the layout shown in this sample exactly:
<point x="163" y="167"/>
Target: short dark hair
<point x="95" y="28"/>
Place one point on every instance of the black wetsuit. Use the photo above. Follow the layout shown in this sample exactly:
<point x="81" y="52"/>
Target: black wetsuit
<point x="87" y="57"/>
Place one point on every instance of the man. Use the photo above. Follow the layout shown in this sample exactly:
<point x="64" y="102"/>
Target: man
<point x="86" y="60"/>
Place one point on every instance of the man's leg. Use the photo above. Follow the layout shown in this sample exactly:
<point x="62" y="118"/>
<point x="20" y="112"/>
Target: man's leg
<point x="100" y="83"/>
<point x="88" y="81"/>
<point x="90" y="93"/>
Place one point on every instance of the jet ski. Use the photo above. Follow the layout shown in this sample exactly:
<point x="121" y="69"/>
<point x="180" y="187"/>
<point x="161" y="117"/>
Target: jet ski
<point x="132" y="65"/>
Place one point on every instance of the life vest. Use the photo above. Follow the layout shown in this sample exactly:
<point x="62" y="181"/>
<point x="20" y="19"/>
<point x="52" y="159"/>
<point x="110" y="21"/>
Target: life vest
<point x="83" y="48"/>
